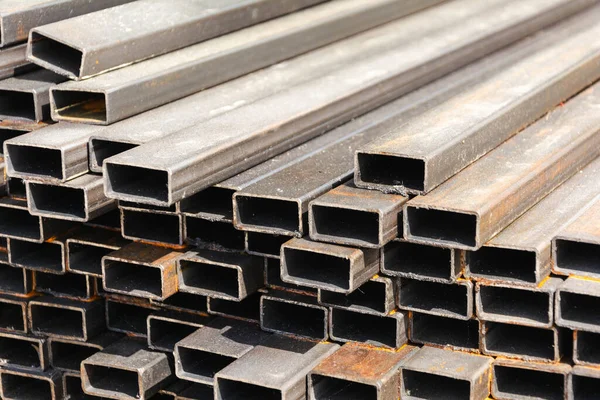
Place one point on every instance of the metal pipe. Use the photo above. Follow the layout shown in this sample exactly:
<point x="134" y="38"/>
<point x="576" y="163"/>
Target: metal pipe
<point x="23" y="352"/>
<point x="575" y="304"/>
<point x="70" y="286"/>
<point x="15" y="187"/>
<point x="165" y="330"/>
<point x="449" y="333"/>
<point x="13" y="314"/>
<point x="541" y="157"/>
<point x="582" y="383"/>
<point x="89" y="45"/>
<point x="15" y="281"/>
<point x="525" y="380"/>
<point x="183" y="303"/>
<point x="218" y="235"/>
<point x="245" y="310"/>
<point x="264" y="244"/>
<point x="585" y="348"/>
<point x="384" y="331"/>
<point x="111" y="221"/>
<point x="13" y="60"/>
<point x="376" y="296"/>
<point x="67" y="355"/>
<point x="151" y="226"/>
<point x="452" y="300"/>
<point x="273" y="279"/>
<point x="128" y="318"/>
<point x="19" y="385"/>
<point x="356" y="371"/>
<point x="48" y="256"/>
<point x="196" y="391"/>
<point x="435" y="373"/>
<point x="72" y="387"/>
<point x="293" y="314"/>
<point x="308" y="110"/>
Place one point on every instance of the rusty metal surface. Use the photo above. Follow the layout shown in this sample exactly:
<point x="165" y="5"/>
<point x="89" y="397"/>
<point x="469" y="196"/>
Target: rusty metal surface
<point x="511" y="178"/>
<point x="388" y="331"/>
<point x="576" y="303"/>
<point x="453" y="300"/>
<point x="521" y="380"/>
<point x="376" y="296"/>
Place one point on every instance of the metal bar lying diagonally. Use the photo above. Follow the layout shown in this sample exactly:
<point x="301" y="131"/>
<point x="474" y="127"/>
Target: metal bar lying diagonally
<point x="189" y="161"/>
<point x="115" y="37"/>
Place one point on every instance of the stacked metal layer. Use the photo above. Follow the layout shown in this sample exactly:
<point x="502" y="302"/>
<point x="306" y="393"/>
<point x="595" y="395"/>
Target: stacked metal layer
<point x="290" y="199"/>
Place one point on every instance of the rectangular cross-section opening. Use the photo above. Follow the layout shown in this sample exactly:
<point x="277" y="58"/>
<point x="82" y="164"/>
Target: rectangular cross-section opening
<point x="442" y="226"/>
<point x="370" y="296"/>
<point x="73" y="390"/>
<point x="109" y="220"/>
<point x="57" y="54"/>
<point x="152" y="227"/>
<point x="580" y="308"/>
<point x="16" y="188"/>
<point x="364" y="328"/>
<point x="295" y="319"/>
<point x="6" y="134"/>
<point x="249" y="308"/>
<point x="391" y="170"/>
<point x="403" y="258"/>
<point x="86" y="258"/>
<point x="528" y="382"/>
<point x="209" y="278"/>
<point x="132" y="279"/>
<point x="519" y="340"/>
<point x="57" y="201"/>
<point x="212" y="201"/>
<point x="20" y="352"/>
<point x="588" y="347"/>
<point x="80" y="106"/>
<point x="264" y="243"/>
<point x="510" y="303"/>
<point x="24" y="387"/>
<point x="13" y="280"/>
<point x="37" y="161"/>
<point x="57" y="321"/>
<point x="234" y="390"/>
<point x="446" y="299"/>
<point x="101" y="149"/>
<point x="17" y="105"/>
<point x="307" y="267"/>
<point x="12" y="315"/>
<point x="69" y="285"/>
<point x="187" y="302"/>
<point x="16" y="222"/>
<point x="585" y="388"/>
<point x="268" y="213"/>
<point x="38" y="256"/>
<point x="118" y="381"/>
<point x="330" y="388"/>
<point x="70" y="355"/>
<point x="127" y="318"/>
<point x="207" y="234"/>
<point x="362" y="226"/>
<point x="578" y="257"/>
<point x="498" y="263"/>
<point x="273" y="277"/>
<point x="137" y="182"/>
<point x="164" y="334"/>
<point x="202" y="365"/>
<point x="422" y="385"/>
<point x="432" y="329"/>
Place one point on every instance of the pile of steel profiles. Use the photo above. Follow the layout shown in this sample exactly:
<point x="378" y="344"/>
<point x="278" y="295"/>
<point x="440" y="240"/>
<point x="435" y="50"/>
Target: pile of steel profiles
<point x="299" y="199"/>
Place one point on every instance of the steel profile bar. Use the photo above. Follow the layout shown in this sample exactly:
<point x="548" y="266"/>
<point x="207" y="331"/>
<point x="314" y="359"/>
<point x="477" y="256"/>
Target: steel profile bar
<point x="23" y="352"/>
<point x="352" y="216"/>
<point x="522" y="342"/>
<point x="150" y="226"/>
<point x="125" y="370"/>
<point x="452" y="300"/>
<point x="300" y="112"/>
<point x="390" y="331"/>
<point x="27" y="97"/>
<point x="264" y="244"/>
<point x="19" y="385"/>
<point x="356" y="371"/>
<point x="15" y="281"/>
<point x="183" y="303"/>
<point x="448" y="333"/>
<point x="111" y="221"/>
<point x="129" y="318"/>
<point x="48" y="256"/>
<point x="165" y="330"/>
<point x="67" y="355"/>
<point x="521" y="253"/>
<point x="252" y="376"/>
<point x="70" y="286"/>
<point x="376" y="296"/>
<point x="141" y="270"/>
<point x="433" y="373"/>
<point x="174" y="391"/>
<point x="576" y="303"/>
<point x="13" y="60"/>
<point x="122" y="35"/>
<point x="13" y="314"/>
<point x="87" y="246"/>
<point x="541" y="157"/>
<point x="421" y="262"/>
<point x="576" y="249"/>
<point x="227" y="276"/>
<point x="418" y="156"/>
<point x="15" y="188"/>
<point x="583" y="383"/>
<point x="204" y="233"/>
<point x="341" y="269"/>
<point x="519" y="305"/>
<point x="204" y="353"/>
<point x="71" y="382"/>
<point x="586" y="350"/>
<point x="245" y="310"/>
<point x="196" y="391"/>
<point x="273" y="279"/>
<point x="79" y="199"/>
<point x="519" y="380"/>
<point x="293" y="314"/>
<point x="67" y="319"/>
<point x="17" y="18"/>
<point x="157" y="81"/>
<point x="60" y="152"/>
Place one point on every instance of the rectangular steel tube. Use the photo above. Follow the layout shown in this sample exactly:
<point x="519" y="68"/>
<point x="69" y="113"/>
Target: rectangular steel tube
<point x="48" y="256"/>
<point x="460" y="215"/>
<point x="166" y="329"/>
<point x="388" y="331"/>
<point x="151" y="226"/>
<point x="576" y="303"/>
<point x="72" y="387"/>
<point x="246" y="310"/>
<point x="583" y="383"/>
<point x="129" y="318"/>
<point x="25" y="352"/>
<point x="300" y="112"/>
<point x="376" y="296"/>
<point x="452" y="300"/>
<point x="421" y="262"/>
<point x="70" y="286"/>
<point x="450" y="333"/>
<point x="264" y="244"/>
<point x="13" y="314"/>
<point x="67" y="355"/>
<point x="183" y="302"/>
<point x="87" y="246"/>
<point x="527" y="380"/>
<point x="273" y="279"/>
<point x="13" y="60"/>
<point x="18" y="385"/>
<point x="15" y="187"/>
<point x="293" y="314"/>
<point x="204" y="233"/>
<point x="586" y="348"/>
<point x="17" y="281"/>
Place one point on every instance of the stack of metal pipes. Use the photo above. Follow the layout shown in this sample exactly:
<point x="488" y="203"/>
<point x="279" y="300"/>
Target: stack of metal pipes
<point x="300" y="199"/>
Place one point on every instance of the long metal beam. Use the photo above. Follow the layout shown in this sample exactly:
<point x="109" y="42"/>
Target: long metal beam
<point x="21" y="351"/>
<point x="186" y="162"/>
<point x="19" y="384"/>
<point x="388" y="331"/>
<point x="521" y="380"/>
<point x="582" y="383"/>
<point x="449" y="333"/>
<point x="69" y="286"/>
<point x="13" y="60"/>
<point x="67" y="355"/>
<point x="452" y="300"/>
<point x="15" y="281"/>
<point x="586" y="350"/>
<point x="13" y="314"/>
<point x="576" y="300"/>
<point x="376" y="296"/>
<point x="87" y="246"/>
